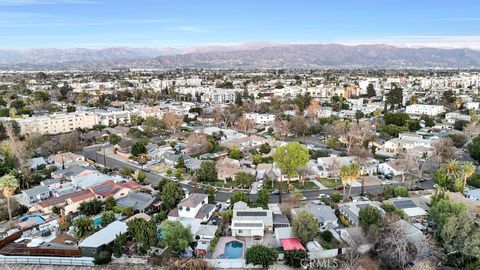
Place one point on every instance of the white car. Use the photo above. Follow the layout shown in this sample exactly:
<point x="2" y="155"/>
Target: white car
<point x="386" y="182"/>
<point x="228" y="203"/>
<point x="323" y="196"/>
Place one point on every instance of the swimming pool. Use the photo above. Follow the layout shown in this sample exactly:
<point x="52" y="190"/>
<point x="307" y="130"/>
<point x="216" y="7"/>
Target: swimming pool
<point x="97" y="222"/>
<point x="233" y="250"/>
<point x="35" y="218"/>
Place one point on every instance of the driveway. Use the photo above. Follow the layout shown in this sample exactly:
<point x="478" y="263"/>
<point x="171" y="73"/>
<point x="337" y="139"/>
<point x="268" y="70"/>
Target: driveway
<point x="255" y="187"/>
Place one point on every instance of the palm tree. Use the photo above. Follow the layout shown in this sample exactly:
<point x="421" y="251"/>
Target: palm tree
<point x="344" y="176"/>
<point x="452" y="168"/>
<point x="354" y="174"/>
<point x="467" y="170"/>
<point x="8" y="185"/>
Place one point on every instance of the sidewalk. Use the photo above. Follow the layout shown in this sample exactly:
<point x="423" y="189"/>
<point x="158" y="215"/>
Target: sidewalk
<point x="319" y="185"/>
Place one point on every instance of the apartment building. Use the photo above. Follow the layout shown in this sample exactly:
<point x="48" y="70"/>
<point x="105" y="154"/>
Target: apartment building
<point x="419" y="109"/>
<point x="261" y="119"/>
<point x="55" y="123"/>
<point x="218" y="95"/>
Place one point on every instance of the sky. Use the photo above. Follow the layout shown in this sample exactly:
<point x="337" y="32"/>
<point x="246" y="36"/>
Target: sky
<point x="192" y="23"/>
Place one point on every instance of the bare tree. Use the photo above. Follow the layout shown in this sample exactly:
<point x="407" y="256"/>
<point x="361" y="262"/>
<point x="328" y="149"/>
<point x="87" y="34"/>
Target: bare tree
<point x="298" y="125"/>
<point x="69" y="142"/>
<point x="351" y="258"/>
<point x="335" y="167"/>
<point x="363" y="158"/>
<point x="197" y="143"/>
<point x="359" y="134"/>
<point x="244" y="124"/>
<point x="313" y="108"/>
<point x="18" y="148"/>
<point x="281" y="127"/>
<point x="472" y="130"/>
<point x="173" y="121"/>
<point x="444" y="150"/>
<point x="336" y="129"/>
<point x="412" y="167"/>
<point x="393" y="244"/>
<point x="218" y="115"/>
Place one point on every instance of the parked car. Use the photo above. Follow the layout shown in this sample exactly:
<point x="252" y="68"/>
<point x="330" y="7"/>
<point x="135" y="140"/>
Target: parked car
<point x="323" y="196"/>
<point x="186" y="192"/>
<point x="340" y="187"/>
<point x="386" y="183"/>
<point x="228" y="203"/>
<point x="416" y="188"/>
<point x="275" y="192"/>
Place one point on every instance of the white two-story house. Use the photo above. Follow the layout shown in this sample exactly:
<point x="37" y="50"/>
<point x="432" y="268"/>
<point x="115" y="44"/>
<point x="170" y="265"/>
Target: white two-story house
<point x="195" y="206"/>
<point x="250" y="222"/>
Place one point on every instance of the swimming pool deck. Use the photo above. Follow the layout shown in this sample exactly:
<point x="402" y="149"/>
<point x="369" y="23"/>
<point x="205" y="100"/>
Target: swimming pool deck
<point x="220" y="247"/>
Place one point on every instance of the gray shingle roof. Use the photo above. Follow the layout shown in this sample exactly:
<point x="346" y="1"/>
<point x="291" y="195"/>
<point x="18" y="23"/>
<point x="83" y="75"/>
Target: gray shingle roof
<point x="138" y="201"/>
<point x="36" y="190"/>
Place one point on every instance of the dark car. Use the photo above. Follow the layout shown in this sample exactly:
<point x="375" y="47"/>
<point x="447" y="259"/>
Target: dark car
<point x="339" y="187"/>
<point x="275" y="192"/>
<point x="416" y="188"/>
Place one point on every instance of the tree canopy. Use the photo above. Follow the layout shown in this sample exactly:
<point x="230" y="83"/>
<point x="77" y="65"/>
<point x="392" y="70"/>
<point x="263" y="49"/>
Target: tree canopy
<point x="305" y="226"/>
<point x="291" y="158"/>
<point x="368" y="217"/>
<point x="207" y="172"/>
<point x="260" y="255"/>
<point x="175" y="235"/>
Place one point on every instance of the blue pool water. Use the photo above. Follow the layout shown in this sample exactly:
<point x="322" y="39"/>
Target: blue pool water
<point x="233" y="250"/>
<point x="35" y="218"/>
<point x="97" y="222"/>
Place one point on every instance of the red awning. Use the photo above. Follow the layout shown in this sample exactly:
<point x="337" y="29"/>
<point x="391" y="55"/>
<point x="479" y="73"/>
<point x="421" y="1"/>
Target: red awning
<point x="292" y="244"/>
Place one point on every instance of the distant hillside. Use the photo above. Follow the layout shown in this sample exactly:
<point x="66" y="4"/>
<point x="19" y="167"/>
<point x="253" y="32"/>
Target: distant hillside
<point x="251" y="55"/>
<point x="330" y="55"/>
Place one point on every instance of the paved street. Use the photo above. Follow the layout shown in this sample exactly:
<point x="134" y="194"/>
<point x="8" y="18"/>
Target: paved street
<point x="223" y="196"/>
<point x="110" y="162"/>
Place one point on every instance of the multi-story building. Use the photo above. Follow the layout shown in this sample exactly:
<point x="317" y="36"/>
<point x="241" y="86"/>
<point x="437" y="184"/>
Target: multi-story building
<point x="260" y="118"/>
<point x="218" y="95"/>
<point x="419" y="109"/>
<point x="55" y="123"/>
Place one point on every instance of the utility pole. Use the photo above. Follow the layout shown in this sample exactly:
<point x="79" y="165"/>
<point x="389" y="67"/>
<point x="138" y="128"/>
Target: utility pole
<point x="280" y="185"/>
<point x="104" y="158"/>
<point x="195" y="182"/>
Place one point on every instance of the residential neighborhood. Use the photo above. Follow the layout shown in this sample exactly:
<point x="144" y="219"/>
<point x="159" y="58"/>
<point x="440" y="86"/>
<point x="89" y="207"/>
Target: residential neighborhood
<point x="291" y="165"/>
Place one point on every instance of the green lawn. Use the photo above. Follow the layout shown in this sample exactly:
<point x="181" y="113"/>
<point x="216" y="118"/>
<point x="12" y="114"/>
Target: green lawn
<point x="221" y="183"/>
<point x="296" y="185"/>
<point x="330" y="183"/>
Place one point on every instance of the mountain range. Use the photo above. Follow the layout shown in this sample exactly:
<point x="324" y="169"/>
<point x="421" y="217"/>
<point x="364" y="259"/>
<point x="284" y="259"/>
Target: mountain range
<point x="248" y="55"/>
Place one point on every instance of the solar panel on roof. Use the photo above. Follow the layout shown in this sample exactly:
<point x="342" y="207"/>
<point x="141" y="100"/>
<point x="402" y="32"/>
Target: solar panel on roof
<point x="251" y="214"/>
<point x="244" y="225"/>
<point x="404" y="204"/>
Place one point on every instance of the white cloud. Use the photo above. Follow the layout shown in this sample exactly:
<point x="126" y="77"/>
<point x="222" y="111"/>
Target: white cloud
<point x="186" y="29"/>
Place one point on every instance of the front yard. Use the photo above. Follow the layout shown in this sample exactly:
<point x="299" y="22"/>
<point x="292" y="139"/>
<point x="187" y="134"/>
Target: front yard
<point x="330" y="183"/>
<point x="294" y="185"/>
